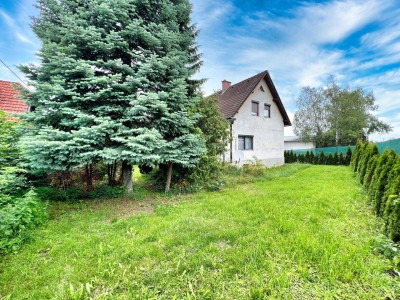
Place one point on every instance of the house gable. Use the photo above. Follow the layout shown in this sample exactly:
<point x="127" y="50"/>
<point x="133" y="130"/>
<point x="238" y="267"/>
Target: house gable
<point x="263" y="96"/>
<point x="233" y="98"/>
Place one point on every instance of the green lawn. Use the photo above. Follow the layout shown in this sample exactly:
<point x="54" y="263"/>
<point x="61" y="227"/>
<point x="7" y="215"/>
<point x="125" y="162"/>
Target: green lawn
<point x="300" y="232"/>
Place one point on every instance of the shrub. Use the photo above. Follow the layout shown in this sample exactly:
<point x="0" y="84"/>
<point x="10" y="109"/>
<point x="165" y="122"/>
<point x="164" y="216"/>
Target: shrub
<point x="368" y="153"/>
<point x="256" y="168"/>
<point x="72" y="194"/>
<point x="356" y="154"/>
<point x="369" y="174"/>
<point x="322" y="158"/>
<point x="380" y="182"/>
<point x="349" y="155"/>
<point x="380" y="175"/>
<point x="392" y="216"/>
<point x="12" y="180"/>
<point x="17" y="216"/>
<point x="335" y="159"/>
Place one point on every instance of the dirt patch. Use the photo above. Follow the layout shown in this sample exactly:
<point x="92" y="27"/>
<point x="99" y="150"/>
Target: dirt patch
<point x="128" y="207"/>
<point x="124" y="208"/>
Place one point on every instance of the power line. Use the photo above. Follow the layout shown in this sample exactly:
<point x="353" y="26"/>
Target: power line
<point x="15" y="74"/>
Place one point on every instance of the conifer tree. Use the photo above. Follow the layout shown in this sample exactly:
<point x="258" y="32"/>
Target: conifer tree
<point x="342" y="159"/>
<point x="369" y="152"/>
<point x="114" y="85"/>
<point x="322" y="158"/>
<point x="382" y="182"/>
<point x="369" y="174"/>
<point x="378" y="184"/>
<point x="312" y="157"/>
<point x="392" y="200"/>
<point x="335" y="159"/>
<point x="355" y="155"/>
<point x="348" y="156"/>
<point x="307" y="157"/>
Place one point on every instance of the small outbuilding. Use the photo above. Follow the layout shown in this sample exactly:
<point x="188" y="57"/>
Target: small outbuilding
<point x="295" y="143"/>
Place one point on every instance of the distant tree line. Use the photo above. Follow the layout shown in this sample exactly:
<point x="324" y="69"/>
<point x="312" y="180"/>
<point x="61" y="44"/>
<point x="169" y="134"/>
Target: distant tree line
<point x="319" y="159"/>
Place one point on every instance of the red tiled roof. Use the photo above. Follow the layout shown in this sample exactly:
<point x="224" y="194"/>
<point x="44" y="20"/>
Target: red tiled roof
<point x="233" y="98"/>
<point x="10" y="99"/>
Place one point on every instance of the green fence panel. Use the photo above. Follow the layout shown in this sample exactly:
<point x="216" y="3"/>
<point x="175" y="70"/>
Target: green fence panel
<point x="392" y="144"/>
<point x="327" y="150"/>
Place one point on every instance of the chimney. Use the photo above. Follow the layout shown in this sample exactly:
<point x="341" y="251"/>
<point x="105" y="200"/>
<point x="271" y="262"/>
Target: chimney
<point x="225" y="85"/>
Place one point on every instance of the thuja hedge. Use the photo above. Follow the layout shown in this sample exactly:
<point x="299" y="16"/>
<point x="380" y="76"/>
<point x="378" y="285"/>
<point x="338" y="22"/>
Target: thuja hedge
<point x="319" y="159"/>
<point x="380" y="176"/>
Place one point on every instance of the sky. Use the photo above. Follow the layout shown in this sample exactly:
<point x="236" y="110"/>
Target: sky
<point x="300" y="43"/>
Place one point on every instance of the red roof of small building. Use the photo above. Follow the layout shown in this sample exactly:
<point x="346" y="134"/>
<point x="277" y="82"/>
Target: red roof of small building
<point x="233" y="98"/>
<point x="10" y="98"/>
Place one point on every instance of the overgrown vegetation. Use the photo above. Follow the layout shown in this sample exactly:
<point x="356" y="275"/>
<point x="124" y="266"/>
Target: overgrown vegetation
<point x="209" y="169"/>
<point x="20" y="210"/>
<point x="287" y="234"/>
<point x="319" y="159"/>
<point x="380" y="176"/>
<point x="17" y="216"/>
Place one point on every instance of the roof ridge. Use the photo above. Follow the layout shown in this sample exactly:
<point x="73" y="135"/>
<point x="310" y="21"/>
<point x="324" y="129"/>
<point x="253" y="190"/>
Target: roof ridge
<point x="264" y="72"/>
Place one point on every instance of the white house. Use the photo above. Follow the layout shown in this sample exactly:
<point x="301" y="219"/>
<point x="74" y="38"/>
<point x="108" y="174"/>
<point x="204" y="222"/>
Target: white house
<point x="257" y="118"/>
<point x="295" y="143"/>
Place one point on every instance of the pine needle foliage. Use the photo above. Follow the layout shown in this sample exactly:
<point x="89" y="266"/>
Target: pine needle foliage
<point x="114" y="84"/>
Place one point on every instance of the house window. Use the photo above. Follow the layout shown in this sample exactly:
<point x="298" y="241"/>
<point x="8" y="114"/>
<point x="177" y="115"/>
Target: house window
<point x="267" y="111"/>
<point x="245" y="142"/>
<point x="254" y="108"/>
<point x="262" y="89"/>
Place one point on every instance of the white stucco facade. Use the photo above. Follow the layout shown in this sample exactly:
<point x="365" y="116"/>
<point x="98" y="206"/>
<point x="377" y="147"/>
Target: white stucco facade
<point x="267" y="133"/>
<point x="295" y="143"/>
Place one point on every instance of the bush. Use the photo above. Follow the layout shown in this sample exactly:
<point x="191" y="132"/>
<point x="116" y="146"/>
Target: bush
<point x="320" y="159"/>
<point x="256" y="168"/>
<point x="370" y="172"/>
<point x="368" y="153"/>
<point x="12" y="180"/>
<point x="17" y="216"/>
<point x="382" y="181"/>
<point x="356" y="155"/>
<point x="72" y="194"/>
<point x="392" y="216"/>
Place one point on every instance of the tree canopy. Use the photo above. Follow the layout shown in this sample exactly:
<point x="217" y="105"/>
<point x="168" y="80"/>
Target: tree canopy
<point x="335" y="115"/>
<point x="114" y="84"/>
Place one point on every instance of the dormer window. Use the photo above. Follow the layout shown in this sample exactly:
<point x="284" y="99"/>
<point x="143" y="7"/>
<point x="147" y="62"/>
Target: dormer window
<point x="254" y="108"/>
<point x="267" y="111"/>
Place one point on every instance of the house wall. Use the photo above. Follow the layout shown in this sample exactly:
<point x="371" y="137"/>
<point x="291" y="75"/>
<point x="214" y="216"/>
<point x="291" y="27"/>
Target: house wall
<point x="267" y="132"/>
<point x="289" y="145"/>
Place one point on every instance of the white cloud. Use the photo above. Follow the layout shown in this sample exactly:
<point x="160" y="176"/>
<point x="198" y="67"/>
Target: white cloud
<point x="304" y="48"/>
<point x="289" y="47"/>
<point x="15" y="28"/>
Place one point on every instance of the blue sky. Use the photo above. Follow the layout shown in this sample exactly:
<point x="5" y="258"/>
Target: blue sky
<point x="300" y="43"/>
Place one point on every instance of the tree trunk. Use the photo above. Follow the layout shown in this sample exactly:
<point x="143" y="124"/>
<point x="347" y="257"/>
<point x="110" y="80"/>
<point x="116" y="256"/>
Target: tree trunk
<point x="111" y="170"/>
<point x="126" y="173"/>
<point x="169" y="177"/>
<point x="89" y="177"/>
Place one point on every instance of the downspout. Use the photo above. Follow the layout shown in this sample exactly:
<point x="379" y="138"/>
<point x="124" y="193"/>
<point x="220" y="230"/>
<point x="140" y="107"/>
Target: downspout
<point x="231" y="152"/>
<point x="231" y="120"/>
